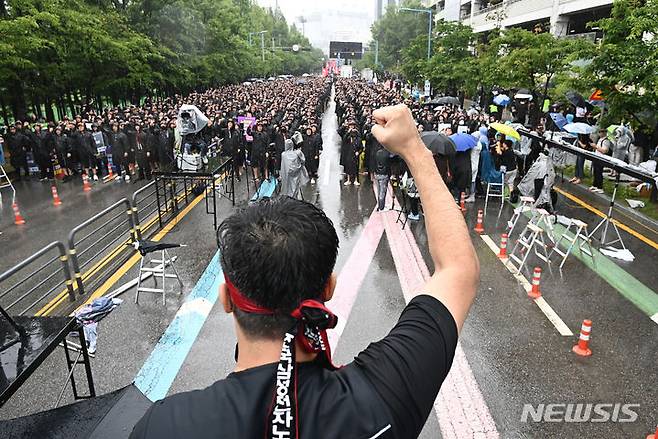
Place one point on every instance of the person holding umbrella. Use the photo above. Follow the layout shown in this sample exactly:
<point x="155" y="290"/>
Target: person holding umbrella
<point x="461" y="165"/>
<point x="442" y="148"/>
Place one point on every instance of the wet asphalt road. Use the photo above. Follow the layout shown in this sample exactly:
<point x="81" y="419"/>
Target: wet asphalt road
<point x="516" y="355"/>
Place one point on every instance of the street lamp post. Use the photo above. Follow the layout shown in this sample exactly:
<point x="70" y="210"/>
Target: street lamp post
<point x="262" y="42"/>
<point x="429" y="27"/>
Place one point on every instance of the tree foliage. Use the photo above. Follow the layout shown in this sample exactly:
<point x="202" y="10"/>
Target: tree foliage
<point x="625" y="64"/>
<point x="396" y="30"/>
<point x="452" y="66"/>
<point x="68" y="53"/>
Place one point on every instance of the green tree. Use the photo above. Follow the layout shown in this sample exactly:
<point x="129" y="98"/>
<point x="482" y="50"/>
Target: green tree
<point x="451" y="68"/>
<point x="625" y="64"/>
<point x="524" y="59"/>
<point x="396" y="30"/>
<point x="67" y="54"/>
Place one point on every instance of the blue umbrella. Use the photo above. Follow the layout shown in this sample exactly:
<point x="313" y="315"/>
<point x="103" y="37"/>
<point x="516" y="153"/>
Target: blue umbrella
<point x="579" y="128"/>
<point x="463" y="141"/>
<point x="559" y="119"/>
<point x="502" y="100"/>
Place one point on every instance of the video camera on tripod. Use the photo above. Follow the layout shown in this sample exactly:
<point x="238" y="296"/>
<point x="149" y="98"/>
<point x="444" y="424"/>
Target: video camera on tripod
<point x="190" y="122"/>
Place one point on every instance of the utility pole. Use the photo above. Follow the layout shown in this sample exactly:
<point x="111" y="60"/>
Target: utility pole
<point x="262" y="44"/>
<point x="303" y="21"/>
<point x="376" y="53"/>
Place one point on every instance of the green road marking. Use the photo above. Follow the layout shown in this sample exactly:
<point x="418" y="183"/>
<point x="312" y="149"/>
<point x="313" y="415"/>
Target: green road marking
<point x="628" y="286"/>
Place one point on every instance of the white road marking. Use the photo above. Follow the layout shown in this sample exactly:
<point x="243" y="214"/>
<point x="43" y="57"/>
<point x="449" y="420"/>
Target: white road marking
<point x="550" y="314"/>
<point x="655" y="317"/>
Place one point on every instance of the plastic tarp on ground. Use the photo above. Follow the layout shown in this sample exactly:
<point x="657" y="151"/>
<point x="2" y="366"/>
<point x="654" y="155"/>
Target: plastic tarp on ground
<point x="110" y="416"/>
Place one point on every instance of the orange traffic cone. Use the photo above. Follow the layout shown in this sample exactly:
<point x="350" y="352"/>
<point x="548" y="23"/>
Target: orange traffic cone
<point x="534" y="292"/>
<point x="655" y="435"/>
<point x="582" y="348"/>
<point x="502" y="254"/>
<point x="18" y="218"/>
<point x="56" y="200"/>
<point x="462" y="202"/>
<point x="86" y="186"/>
<point x="479" y="226"/>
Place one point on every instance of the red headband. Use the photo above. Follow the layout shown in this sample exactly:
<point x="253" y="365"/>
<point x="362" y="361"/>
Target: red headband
<point x="243" y="303"/>
<point x="313" y="320"/>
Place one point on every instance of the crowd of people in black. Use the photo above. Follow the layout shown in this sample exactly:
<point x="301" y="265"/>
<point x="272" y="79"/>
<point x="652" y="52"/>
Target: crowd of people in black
<point x="247" y="122"/>
<point x="356" y="100"/>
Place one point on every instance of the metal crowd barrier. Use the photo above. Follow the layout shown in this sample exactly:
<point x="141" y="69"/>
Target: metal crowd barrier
<point x="36" y="289"/>
<point x="100" y="245"/>
<point x="110" y="229"/>
<point x="144" y="209"/>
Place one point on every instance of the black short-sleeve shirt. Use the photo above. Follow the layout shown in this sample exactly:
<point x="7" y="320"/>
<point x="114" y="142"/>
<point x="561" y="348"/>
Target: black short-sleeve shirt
<point x="388" y="391"/>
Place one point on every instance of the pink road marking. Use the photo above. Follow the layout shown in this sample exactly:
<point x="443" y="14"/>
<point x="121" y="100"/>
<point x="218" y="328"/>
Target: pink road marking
<point x="460" y="406"/>
<point x="352" y="275"/>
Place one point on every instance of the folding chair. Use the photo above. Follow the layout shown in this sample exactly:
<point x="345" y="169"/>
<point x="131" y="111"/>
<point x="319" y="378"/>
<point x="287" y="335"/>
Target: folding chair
<point x="496" y="190"/>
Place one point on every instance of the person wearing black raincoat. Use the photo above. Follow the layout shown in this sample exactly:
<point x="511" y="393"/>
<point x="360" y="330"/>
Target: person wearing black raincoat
<point x="311" y="153"/>
<point x="83" y="144"/>
<point x="258" y="151"/>
<point x="120" y="147"/>
<point x="350" y="151"/>
<point x="17" y="144"/>
<point x="233" y="146"/>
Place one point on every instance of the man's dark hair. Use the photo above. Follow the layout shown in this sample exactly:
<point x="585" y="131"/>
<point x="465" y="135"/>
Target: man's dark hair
<point x="277" y="252"/>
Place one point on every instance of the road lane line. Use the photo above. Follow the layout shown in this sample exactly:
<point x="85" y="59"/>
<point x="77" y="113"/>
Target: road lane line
<point x="622" y="226"/>
<point x="460" y="406"/>
<point x="655" y="317"/>
<point x="56" y="301"/>
<point x="352" y="274"/>
<point x="159" y="371"/>
<point x="545" y="308"/>
<point x="108" y="284"/>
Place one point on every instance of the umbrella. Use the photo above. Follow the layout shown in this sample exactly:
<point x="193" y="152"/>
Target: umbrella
<point x="464" y="141"/>
<point x="506" y="129"/>
<point x="445" y="100"/>
<point x="438" y="143"/>
<point x="502" y="100"/>
<point x="576" y="99"/>
<point x="579" y="128"/>
<point x="559" y="119"/>
<point x="523" y="93"/>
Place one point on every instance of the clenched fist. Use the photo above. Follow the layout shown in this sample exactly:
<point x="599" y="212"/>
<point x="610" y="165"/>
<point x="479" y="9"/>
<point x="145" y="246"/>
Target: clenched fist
<point x="396" y="130"/>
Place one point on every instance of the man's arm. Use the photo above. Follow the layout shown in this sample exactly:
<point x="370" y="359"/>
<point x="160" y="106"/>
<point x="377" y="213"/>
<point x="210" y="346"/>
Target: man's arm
<point x="457" y="269"/>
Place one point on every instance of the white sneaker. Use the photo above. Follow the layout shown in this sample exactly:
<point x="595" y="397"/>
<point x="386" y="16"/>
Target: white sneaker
<point x="347" y="183"/>
<point x="127" y="177"/>
<point x="470" y="199"/>
<point x="95" y="177"/>
<point x="312" y="180"/>
<point x="356" y="183"/>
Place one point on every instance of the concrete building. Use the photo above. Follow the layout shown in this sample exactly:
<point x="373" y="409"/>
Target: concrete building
<point x="381" y="5"/>
<point x="560" y="17"/>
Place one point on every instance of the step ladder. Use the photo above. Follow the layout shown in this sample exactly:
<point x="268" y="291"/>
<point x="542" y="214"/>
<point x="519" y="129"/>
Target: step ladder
<point x="542" y="219"/>
<point x="6" y="182"/>
<point x="530" y="239"/>
<point x="527" y="205"/>
<point x="157" y="267"/>
<point x="578" y="229"/>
